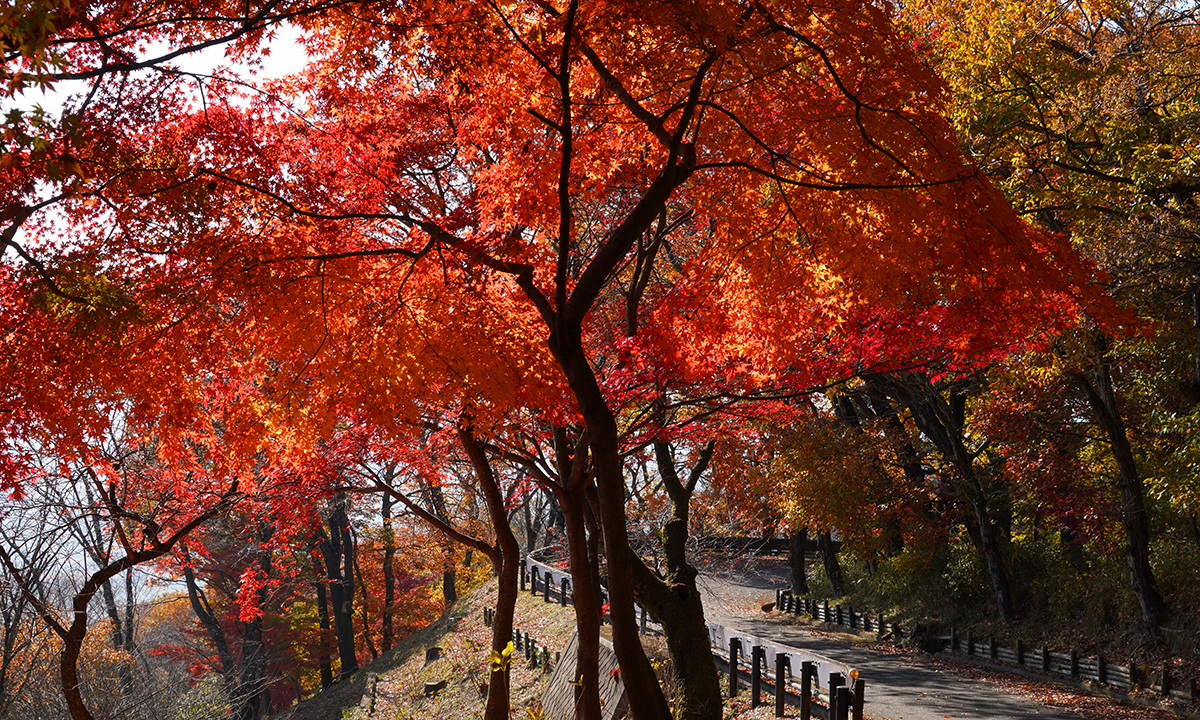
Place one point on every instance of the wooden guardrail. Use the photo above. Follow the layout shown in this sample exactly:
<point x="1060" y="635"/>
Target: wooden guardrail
<point x="1074" y="665"/>
<point x="820" y="678"/>
<point x="842" y="692"/>
<point x="535" y="652"/>
<point x="1038" y="661"/>
<point x="845" y="616"/>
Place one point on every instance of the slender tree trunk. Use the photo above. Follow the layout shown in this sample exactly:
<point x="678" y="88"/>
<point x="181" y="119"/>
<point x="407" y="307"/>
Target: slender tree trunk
<point x="389" y="572"/>
<point x="449" y="582"/>
<point x="506" y="560"/>
<point x="117" y="635"/>
<point x="338" y="551"/>
<point x="323" y="660"/>
<point x="437" y="505"/>
<point x="1195" y="292"/>
<point x="252" y="701"/>
<point x="130" y="645"/>
<point x="1102" y="398"/>
<point x="942" y="423"/>
<point x="797" y="548"/>
<point x="646" y="699"/>
<point x="587" y="609"/>
<point x="674" y="600"/>
<point x="212" y="629"/>
<point x="833" y="568"/>
<point x="366" y="618"/>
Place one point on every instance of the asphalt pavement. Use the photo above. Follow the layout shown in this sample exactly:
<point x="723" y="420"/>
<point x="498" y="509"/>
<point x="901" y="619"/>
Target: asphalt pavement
<point x="898" y="686"/>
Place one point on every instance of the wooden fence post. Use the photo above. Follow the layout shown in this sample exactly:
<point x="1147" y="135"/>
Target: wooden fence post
<point x="859" y="691"/>
<point x="756" y="655"/>
<point x="970" y="643"/>
<point x="524" y="575"/>
<point x="1165" y="682"/>
<point x="835" y="681"/>
<point x="1019" y="651"/>
<point x="992" y="647"/>
<point x="843" y="703"/>
<point x="806" y="676"/>
<point x="1074" y="663"/>
<point x="734" y="646"/>
<point x="783" y="665"/>
<point x="1045" y="659"/>
<point x="1101" y="670"/>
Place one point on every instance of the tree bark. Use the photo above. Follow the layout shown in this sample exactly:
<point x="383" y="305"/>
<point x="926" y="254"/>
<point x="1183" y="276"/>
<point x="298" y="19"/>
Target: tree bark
<point x="437" y="505"/>
<point x="212" y="628"/>
<point x="1101" y="396"/>
<point x="674" y="600"/>
<point x="506" y="558"/>
<point x="587" y="609"/>
<point x="833" y="568"/>
<point x="366" y="618"/>
<point x="252" y="701"/>
<point x="389" y="572"/>
<point x="942" y="422"/>
<point x="323" y="660"/>
<point x="337" y="549"/>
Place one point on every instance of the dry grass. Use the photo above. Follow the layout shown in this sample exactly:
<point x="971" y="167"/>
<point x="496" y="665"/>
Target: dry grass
<point x="400" y="676"/>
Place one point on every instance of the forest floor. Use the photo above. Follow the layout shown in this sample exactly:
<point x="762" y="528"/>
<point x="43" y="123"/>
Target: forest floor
<point x="901" y="683"/>
<point x="393" y="687"/>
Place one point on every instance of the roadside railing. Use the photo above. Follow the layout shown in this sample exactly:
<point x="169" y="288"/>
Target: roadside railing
<point x="1038" y="661"/>
<point x="819" y="686"/>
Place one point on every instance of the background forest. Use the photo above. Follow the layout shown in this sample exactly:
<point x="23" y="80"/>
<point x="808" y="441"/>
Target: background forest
<point x="290" y="362"/>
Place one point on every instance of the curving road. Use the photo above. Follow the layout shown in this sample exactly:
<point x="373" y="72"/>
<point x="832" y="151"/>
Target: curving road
<point x="899" y="686"/>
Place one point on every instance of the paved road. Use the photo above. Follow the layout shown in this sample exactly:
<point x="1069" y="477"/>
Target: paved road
<point x="905" y="686"/>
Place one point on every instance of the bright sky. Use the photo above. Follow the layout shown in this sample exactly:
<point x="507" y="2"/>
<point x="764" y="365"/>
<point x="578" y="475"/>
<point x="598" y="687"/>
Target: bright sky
<point x="287" y="56"/>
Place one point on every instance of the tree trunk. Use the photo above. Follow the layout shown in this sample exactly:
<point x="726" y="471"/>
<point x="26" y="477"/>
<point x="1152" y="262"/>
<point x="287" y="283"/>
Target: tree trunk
<point x="252" y="699"/>
<point x="587" y="608"/>
<point x="212" y="629"/>
<point x="323" y="660"/>
<point x="942" y="422"/>
<point x="437" y="505"/>
<point x="833" y="568"/>
<point x="646" y="699"/>
<point x="797" y="547"/>
<point x="674" y="600"/>
<point x="337" y="548"/>
<point x="449" y="580"/>
<point x="389" y="572"/>
<point x="506" y="559"/>
<point x="1102" y="398"/>
<point x="366" y="618"/>
<point x="117" y="634"/>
